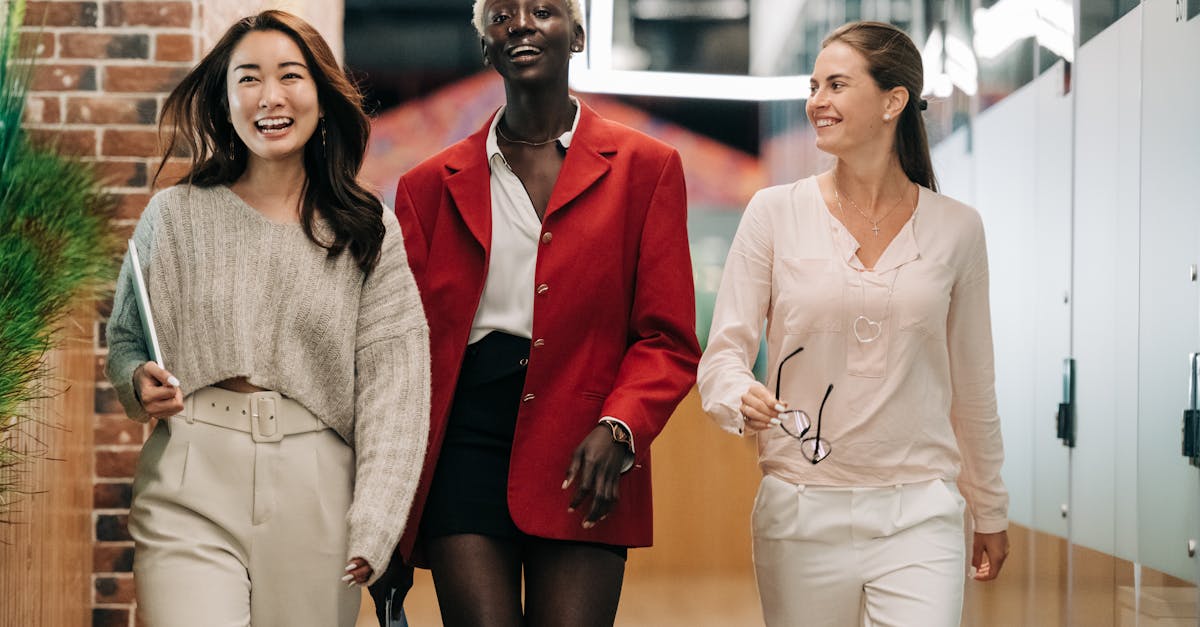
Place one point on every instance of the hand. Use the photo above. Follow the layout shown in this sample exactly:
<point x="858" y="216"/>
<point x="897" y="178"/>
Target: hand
<point x="597" y="463"/>
<point x="759" y="409"/>
<point x="158" y="391"/>
<point x="358" y="572"/>
<point x="989" y="554"/>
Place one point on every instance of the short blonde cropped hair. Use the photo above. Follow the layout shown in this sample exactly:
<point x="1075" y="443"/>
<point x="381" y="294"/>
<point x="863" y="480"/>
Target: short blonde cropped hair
<point x="572" y="9"/>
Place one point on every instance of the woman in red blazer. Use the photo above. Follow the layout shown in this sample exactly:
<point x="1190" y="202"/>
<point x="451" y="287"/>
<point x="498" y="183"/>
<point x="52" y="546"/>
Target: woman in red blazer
<point x="551" y="252"/>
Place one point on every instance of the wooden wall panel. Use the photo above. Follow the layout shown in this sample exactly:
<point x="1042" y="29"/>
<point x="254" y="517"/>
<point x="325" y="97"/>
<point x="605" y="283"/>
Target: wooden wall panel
<point x="46" y="547"/>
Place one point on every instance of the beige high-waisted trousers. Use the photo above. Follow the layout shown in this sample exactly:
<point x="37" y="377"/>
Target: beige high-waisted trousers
<point x="850" y="557"/>
<point x="243" y="524"/>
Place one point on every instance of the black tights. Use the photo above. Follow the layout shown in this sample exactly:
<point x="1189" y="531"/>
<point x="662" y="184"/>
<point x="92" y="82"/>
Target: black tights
<point x="478" y="582"/>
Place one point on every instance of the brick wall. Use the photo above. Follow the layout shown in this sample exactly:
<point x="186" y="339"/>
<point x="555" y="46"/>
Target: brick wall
<point x="104" y="69"/>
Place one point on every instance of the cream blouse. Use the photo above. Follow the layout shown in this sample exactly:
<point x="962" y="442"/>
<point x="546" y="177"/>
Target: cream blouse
<point x="915" y="404"/>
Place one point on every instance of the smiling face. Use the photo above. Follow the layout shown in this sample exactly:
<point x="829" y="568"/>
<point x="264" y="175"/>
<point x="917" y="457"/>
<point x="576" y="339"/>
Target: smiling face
<point x="847" y="107"/>
<point x="272" y="96"/>
<point x="530" y="40"/>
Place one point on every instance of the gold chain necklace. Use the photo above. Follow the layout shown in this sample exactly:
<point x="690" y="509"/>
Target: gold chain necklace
<point x="520" y="141"/>
<point x="874" y="223"/>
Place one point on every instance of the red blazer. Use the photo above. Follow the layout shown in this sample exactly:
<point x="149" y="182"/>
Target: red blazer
<point x="614" y="318"/>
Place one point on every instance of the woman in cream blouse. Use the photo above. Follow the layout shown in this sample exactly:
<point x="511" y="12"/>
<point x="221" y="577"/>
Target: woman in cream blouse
<point x="878" y="427"/>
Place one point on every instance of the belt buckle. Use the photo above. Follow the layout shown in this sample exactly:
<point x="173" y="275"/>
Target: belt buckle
<point x="265" y="408"/>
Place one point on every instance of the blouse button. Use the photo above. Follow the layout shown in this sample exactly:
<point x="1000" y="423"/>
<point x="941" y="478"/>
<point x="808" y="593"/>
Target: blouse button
<point x="538" y="343"/>
<point x="543" y="288"/>
<point x="546" y="237"/>
<point x="525" y="361"/>
<point x="527" y="398"/>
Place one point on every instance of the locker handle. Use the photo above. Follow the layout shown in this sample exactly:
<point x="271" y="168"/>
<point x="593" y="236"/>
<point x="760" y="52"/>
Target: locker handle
<point x="1065" y="420"/>
<point x="1191" y="415"/>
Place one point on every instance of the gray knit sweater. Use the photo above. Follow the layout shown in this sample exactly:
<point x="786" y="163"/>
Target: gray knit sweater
<point x="236" y="295"/>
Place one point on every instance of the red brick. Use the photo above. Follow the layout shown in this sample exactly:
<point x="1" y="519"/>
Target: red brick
<point x="111" y="110"/>
<point x="110" y="527"/>
<point x="117" y="429"/>
<point x="105" y="401"/>
<point x="116" y="464"/>
<point x="110" y="617"/>
<point x="112" y="557"/>
<point x="174" y="170"/>
<point x="169" y="47"/>
<point x="115" y="590"/>
<point x="178" y="14"/>
<point x="63" y="78"/>
<point x="121" y="173"/>
<point x="112" y="495"/>
<point x="72" y="142"/>
<point x="38" y="44"/>
<point x="142" y="78"/>
<point x="130" y="206"/>
<point x="39" y="14"/>
<point x="43" y="110"/>
<point x="130" y="143"/>
<point x="103" y="46"/>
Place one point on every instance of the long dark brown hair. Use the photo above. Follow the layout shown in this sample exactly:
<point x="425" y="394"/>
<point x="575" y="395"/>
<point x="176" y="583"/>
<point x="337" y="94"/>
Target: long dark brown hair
<point x="894" y="61"/>
<point x="196" y="122"/>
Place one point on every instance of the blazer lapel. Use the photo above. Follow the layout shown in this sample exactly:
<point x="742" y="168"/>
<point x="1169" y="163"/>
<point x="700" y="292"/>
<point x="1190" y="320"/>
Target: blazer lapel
<point x="469" y="183"/>
<point x="586" y="162"/>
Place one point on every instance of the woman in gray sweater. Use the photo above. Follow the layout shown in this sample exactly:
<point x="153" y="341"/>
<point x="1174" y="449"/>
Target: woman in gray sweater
<point x="293" y="407"/>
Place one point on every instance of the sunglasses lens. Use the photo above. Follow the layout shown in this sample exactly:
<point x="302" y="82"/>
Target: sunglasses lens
<point x="795" y="422"/>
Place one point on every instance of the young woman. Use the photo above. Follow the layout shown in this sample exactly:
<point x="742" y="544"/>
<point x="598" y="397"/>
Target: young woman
<point x="293" y="410"/>
<point x="551" y="250"/>
<point x="874" y="289"/>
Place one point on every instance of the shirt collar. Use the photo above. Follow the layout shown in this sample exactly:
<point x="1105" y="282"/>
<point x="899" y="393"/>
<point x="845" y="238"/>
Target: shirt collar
<point x="493" y="145"/>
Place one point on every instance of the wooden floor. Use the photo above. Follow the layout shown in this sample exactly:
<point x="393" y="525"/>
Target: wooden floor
<point x="661" y="602"/>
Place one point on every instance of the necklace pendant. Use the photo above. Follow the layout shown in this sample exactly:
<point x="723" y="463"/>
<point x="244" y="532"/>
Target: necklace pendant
<point x="868" y="331"/>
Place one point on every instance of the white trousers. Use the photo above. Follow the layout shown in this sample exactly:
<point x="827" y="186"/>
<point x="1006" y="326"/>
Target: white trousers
<point x="233" y="533"/>
<point x="851" y="557"/>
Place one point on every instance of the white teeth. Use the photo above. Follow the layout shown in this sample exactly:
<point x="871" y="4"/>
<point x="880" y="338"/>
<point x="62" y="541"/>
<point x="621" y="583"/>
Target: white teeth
<point x="273" y="124"/>
<point x="522" y="49"/>
<point x="826" y="122"/>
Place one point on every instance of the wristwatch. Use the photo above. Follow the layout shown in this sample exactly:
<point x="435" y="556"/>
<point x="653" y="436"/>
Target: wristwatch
<point x="619" y="434"/>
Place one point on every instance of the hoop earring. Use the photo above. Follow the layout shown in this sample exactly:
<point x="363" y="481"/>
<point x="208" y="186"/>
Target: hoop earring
<point x="232" y="148"/>
<point x="322" y="135"/>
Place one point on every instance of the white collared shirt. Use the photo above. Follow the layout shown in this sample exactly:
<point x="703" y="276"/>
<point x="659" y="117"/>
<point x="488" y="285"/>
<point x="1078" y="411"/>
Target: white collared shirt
<point x="507" y="303"/>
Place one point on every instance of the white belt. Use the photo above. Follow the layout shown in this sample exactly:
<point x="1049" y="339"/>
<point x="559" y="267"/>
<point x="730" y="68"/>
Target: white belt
<point x="266" y="416"/>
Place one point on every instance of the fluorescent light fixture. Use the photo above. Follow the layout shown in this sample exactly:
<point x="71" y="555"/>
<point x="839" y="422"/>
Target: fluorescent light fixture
<point x="688" y="85"/>
<point x="593" y="72"/>
<point x="706" y="9"/>
<point x="1051" y="22"/>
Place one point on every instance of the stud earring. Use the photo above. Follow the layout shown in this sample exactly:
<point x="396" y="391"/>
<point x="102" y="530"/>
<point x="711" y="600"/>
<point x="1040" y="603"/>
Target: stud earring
<point x="887" y="117"/>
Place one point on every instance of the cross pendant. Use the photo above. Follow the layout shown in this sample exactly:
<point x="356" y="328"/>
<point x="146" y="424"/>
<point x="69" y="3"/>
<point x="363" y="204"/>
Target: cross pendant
<point x="875" y="228"/>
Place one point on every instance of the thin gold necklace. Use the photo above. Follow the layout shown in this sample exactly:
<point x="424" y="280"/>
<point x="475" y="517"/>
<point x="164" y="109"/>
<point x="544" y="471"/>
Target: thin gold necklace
<point x="874" y="223"/>
<point x="520" y="141"/>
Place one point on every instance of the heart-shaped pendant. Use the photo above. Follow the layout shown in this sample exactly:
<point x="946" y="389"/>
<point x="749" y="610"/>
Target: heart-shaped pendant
<point x="871" y="329"/>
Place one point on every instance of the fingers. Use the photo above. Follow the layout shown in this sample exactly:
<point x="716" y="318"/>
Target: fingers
<point x="992" y="551"/>
<point x="595" y="470"/>
<point x="358" y="572"/>
<point x="760" y="409"/>
<point x="607" y="491"/>
<point x="586" y="487"/>
<point x="573" y="468"/>
<point x="159" y="374"/>
<point x="158" y="390"/>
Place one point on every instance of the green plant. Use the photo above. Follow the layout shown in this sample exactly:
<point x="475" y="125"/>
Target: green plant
<point x="57" y="246"/>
